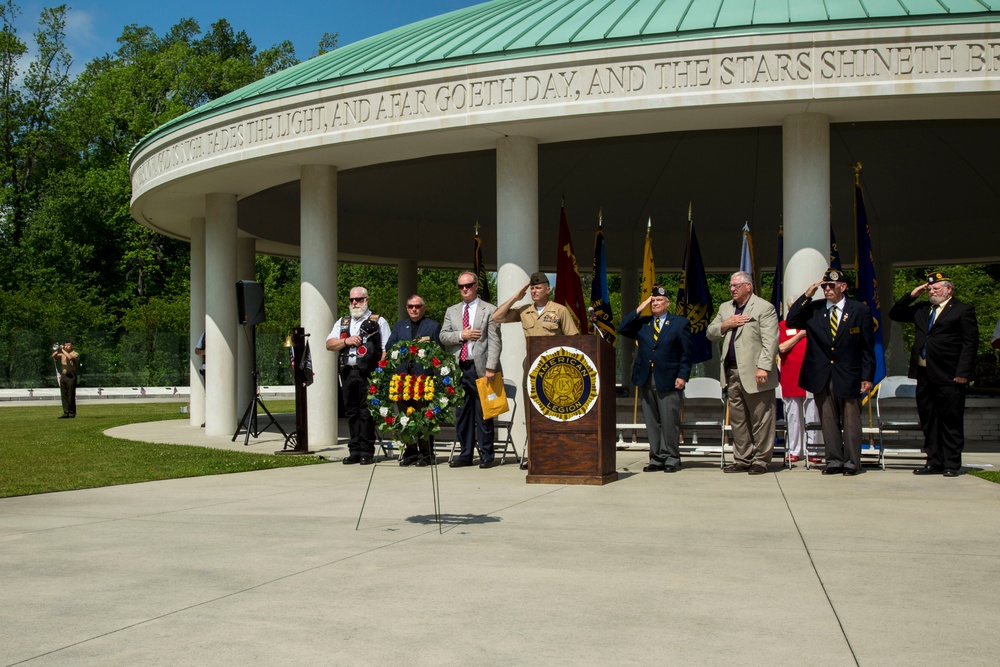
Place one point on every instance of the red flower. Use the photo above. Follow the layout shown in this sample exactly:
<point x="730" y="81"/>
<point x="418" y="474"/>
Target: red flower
<point x="390" y="420"/>
<point x="372" y="390"/>
<point x="429" y="414"/>
<point x="384" y="363"/>
<point x="413" y="349"/>
<point x="436" y="362"/>
<point x="451" y="391"/>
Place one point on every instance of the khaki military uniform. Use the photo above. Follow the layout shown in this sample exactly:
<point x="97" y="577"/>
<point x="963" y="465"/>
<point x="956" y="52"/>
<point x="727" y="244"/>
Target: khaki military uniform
<point x="554" y="320"/>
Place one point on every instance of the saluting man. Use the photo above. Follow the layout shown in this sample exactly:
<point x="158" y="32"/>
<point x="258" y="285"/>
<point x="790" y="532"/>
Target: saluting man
<point x="946" y="337"/>
<point x="661" y="369"/>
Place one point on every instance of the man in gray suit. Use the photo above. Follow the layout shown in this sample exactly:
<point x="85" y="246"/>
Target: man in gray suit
<point x="469" y="332"/>
<point x="748" y="328"/>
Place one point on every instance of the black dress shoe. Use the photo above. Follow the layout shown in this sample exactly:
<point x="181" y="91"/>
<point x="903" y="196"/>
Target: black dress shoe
<point x="652" y="467"/>
<point x="458" y="463"/>
<point x="833" y="471"/>
<point x="952" y="473"/>
<point x="64" y="417"/>
<point x="351" y="460"/>
<point x="927" y="470"/>
<point x="670" y="468"/>
<point x="422" y="461"/>
<point x="736" y="467"/>
<point x="486" y="464"/>
<point x="366" y="460"/>
<point x="851" y="472"/>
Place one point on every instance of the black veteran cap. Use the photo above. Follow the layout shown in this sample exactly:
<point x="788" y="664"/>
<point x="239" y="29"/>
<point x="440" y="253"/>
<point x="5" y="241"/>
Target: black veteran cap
<point x="538" y="278"/>
<point x="659" y="291"/>
<point x="937" y="277"/>
<point x="834" y="276"/>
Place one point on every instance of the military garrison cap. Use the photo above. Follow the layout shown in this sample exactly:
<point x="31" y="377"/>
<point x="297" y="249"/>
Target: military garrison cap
<point x="538" y="278"/>
<point x="659" y="291"/>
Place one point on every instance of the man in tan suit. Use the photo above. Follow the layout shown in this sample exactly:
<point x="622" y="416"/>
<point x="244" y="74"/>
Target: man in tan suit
<point x="748" y="329"/>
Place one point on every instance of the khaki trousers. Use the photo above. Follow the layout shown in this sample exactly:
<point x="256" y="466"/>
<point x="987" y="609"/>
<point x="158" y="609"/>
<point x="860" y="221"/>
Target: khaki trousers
<point x="751" y="416"/>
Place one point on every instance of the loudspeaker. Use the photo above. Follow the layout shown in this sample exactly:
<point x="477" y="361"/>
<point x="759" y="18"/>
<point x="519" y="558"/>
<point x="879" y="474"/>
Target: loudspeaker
<point x="250" y="303"/>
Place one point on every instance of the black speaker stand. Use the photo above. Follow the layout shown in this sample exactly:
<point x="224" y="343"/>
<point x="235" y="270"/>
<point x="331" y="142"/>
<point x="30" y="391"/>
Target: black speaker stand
<point x="249" y="421"/>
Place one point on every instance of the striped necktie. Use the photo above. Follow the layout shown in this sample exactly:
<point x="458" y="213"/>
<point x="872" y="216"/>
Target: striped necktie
<point x="656" y="329"/>
<point x="464" y="353"/>
<point x="834" y="321"/>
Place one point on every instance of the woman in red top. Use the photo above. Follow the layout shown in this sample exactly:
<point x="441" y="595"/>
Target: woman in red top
<point x="800" y="408"/>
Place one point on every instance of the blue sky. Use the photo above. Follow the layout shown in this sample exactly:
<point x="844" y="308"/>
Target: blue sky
<point x="93" y="26"/>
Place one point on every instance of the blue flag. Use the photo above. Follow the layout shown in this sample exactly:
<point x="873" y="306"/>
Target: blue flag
<point x="834" y="252"/>
<point x="694" y="300"/>
<point x="867" y="283"/>
<point x="746" y="257"/>
<point x="777" y="289"/>
<point x="599" y="300"/>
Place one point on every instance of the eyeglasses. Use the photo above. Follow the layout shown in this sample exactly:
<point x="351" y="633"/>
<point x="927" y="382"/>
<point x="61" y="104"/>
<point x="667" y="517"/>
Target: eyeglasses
<point x="466" y="285"/>
<point x="415" y="305"/>
<point x="737" y="286"/>
<point x="827" y="285"/>
<point x="358" y="299"/>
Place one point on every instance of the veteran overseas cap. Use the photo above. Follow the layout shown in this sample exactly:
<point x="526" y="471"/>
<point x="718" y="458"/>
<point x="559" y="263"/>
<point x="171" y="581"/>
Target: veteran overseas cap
<point x="835" y="276"/>
<point x="538" y="278"/>
<point x="937" y="277"/>
<point x="658" y="291"/>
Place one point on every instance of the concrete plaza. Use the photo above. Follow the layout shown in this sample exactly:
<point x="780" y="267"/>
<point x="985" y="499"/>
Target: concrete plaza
<point x="693" y="568"/>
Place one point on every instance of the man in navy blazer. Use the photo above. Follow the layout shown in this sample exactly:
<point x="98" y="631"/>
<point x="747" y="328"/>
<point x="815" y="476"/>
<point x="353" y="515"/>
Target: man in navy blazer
<point x="943" y="354"/>
<point x="661" y="369"/>
<point x="839" y="366"/>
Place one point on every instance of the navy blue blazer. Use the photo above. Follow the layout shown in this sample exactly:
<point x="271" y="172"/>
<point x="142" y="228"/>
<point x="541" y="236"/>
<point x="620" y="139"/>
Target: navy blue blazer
<point x="405" y="330"/>
<point x="669" y="356"/>
<point x="848" y="359"/>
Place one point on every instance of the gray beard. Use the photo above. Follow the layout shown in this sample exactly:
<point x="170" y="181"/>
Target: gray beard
<point x="936" y="300"/>
<point x="357" y="311"/>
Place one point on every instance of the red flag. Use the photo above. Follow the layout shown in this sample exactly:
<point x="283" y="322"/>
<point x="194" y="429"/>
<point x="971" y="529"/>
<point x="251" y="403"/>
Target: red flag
<point x="569" y="289"/>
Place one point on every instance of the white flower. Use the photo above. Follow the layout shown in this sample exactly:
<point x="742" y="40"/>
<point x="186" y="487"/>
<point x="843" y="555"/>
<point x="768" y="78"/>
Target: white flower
<point x="383" y="411"/>
<point x="445" y="370"/>
<point x="404" y="420"/>
<point x="395" y="354"/>
<point x="421" y="353"/>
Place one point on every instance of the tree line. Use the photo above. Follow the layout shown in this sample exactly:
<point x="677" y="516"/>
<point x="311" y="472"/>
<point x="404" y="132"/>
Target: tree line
<point x="75" y="265"/>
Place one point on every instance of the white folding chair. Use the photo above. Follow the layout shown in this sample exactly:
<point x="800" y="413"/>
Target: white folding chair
<point x="707" y="393"/>
<point x="894" y="391"/>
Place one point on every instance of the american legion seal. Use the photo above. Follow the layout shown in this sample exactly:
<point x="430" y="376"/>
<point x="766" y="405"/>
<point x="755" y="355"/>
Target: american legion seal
<point x="563" y="384"/>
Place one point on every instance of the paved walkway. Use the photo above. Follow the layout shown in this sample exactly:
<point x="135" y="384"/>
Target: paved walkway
<point x="694" y="568"/>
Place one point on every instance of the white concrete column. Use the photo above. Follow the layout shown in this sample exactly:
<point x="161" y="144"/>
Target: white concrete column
<point x="319" y="296"/>
<point x="196" y="404"/>
<point x="246" y="269"/>
<point x="221" y="319"/>
<point x="406" y="284"/>
<point x="806" y="199"/>
<point x="517" y="249"/>
<point x="630" y="301"/>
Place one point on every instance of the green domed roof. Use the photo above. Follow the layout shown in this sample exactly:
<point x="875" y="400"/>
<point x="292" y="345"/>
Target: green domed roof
<point x="506" y="29"/>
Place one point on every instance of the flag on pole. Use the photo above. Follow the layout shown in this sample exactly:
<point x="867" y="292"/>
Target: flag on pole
<point x="746" y="256"/>
<point x="569" y="290"/>
<point x="648" y="270"/>
<point x="777" y="289"/>
<point x="693" y="298"/>
<point x="834" y="252"/>
<point x="484" y="284"/>
<point x="599" y="299"/>
<point x="867" y="282"/>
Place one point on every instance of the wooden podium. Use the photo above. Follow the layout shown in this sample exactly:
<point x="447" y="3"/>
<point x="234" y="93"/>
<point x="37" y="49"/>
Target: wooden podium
<point x="571" y="432"/>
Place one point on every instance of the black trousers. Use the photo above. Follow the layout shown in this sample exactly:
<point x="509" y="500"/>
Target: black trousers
<point x="354" y="384"/>
<point x="469" y="423"/>
<point x="67" y="392"/>
<point x="942" y="416"/>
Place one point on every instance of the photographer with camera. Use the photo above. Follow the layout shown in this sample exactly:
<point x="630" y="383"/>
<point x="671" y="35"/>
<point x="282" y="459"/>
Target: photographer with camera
<point x="69" y="360"/>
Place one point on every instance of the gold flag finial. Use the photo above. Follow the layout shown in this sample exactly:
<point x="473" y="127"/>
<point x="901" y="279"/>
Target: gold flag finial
<point x="649" y="226"/>
<point x="600" y="217"/>
<point x="477" y="228"/>
<point x="857" y="172"/>
<point x="689" y="211"/>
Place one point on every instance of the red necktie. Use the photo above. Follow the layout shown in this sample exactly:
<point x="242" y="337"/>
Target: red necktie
<point x="464" y="354"/>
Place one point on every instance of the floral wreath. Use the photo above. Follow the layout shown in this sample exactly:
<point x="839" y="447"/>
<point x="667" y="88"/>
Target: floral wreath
<point x="411" y="405"/>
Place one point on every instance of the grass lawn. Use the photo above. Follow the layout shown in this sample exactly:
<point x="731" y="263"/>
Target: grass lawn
<point x="991" y="475"/>
<point x="40" y="453"/>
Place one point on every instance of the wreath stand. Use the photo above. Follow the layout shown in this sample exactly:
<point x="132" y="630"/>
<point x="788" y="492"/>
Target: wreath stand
<point x="406" y="354"/>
